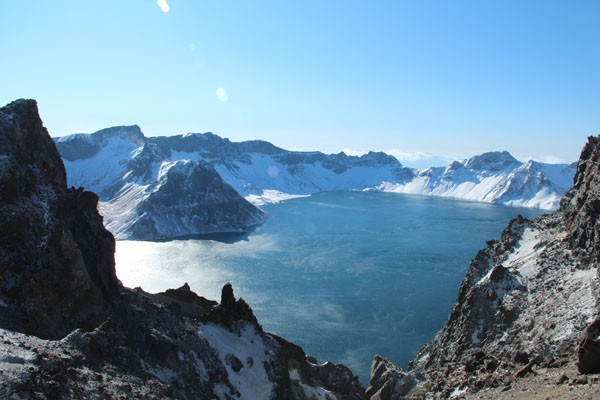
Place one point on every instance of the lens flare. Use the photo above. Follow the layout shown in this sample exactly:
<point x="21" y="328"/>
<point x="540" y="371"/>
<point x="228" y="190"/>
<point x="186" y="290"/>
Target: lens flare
<point x="163" y="5"/>
<point x="222" y="94"/>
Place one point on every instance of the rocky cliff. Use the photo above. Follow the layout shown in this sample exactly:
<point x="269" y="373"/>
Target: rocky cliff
<point x="522" y="308"/>
<point x="70" y="330"/>
<point x="57" y="271"/>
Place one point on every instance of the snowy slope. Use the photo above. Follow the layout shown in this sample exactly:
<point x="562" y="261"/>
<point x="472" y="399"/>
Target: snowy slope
<point x="494" y="177"/>
<point x="147" y="196"/>
<point x="98" y="162"/>
<point x="264" y="173"/>
<point x="257" y="169"/>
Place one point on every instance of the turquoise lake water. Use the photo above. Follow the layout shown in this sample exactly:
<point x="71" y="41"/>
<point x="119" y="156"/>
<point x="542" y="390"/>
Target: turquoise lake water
<point x="345" y="275"/>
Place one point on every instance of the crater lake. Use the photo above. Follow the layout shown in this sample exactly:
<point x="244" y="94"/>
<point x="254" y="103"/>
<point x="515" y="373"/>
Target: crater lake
<point x="345" y="275"/>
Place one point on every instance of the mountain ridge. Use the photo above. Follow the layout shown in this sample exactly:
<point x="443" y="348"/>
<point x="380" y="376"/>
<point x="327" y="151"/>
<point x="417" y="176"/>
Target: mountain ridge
<point x="108" y="160"/>
<point x="145" y="195"/>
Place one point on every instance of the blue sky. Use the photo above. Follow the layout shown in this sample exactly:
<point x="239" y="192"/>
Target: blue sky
<point x="446" y="78"/>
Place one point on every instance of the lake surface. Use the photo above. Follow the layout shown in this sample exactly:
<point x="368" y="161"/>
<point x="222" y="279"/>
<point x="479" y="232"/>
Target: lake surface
<point x="345" y="275"/>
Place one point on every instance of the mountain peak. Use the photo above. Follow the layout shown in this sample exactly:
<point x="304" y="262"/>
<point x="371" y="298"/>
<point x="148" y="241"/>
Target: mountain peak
<point x="492" y="161"/>
<point x="131" y="133"/>
<point x="82" y="145"/>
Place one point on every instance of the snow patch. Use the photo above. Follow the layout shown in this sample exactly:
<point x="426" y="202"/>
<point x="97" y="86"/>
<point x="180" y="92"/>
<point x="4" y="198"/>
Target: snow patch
<point x="525" y="258"/>
<point x="272" y="197"/>
<point x="251" y="381"/>
<point x="163" y="374"/>
<point x="458" y="391"/>
<point x="475" y="335"/>
<point x="310" y="392"/>
<point x="105" y="169"/>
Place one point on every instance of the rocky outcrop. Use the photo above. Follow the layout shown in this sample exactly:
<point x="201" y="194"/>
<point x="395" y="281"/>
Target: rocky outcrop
<point x="70" y="330"/>
<point x="588" y="349"/>
<point x="388" y="381"/>
<point x="581" y="205"/>
<point x="523" y="305"/>
<point x="57" y="267"/>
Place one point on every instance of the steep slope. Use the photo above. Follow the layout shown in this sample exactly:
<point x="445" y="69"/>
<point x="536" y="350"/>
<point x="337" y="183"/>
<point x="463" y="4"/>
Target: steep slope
<point x="146" y="196"/>
<point x="523" y="305"/>
<point x="494" y="177"/>
<point x="70" y="330"/>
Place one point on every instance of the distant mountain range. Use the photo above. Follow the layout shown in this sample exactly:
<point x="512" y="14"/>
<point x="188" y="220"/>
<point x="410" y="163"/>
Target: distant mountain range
<point x="494" y="177"/>
<point x="169" y="186"/>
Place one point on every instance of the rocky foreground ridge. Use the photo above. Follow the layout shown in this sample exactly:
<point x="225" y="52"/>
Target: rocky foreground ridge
<point x="138" y="178"/>
<point x="529" y="306"/>
<point x="69" y="329"/>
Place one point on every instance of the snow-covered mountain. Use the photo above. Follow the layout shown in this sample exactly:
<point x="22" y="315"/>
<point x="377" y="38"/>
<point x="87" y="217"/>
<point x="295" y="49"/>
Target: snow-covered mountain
<point x="149" y="186"/>
<point x="263" y="172"/>
<point x="145" y="195"/>
<point x="494" y="177"/>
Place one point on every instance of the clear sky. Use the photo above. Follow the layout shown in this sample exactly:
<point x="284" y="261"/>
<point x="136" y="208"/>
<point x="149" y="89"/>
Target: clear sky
<point x="446" y="78"/>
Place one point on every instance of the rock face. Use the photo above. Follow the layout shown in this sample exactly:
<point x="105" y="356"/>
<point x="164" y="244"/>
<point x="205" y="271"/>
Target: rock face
<point x="70" y="330"/>
<point x="581" y="205"/>
<point x="57" y="271"/>
<point x="129" y="171"/>
<point x="588" y="349"/>
<point x="523" y="305"/>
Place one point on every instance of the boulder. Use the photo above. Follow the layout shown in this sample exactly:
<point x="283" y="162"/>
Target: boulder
<point x="588" y="349"/>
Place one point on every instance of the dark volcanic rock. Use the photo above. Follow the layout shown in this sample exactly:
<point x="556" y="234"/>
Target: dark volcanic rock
<point x="335" y="378"/>
<point x="183" y="301"/>
<point x="57" y="261"/>
<point x="231" y="311"/>
<point x="588" y="350"/>
<point x="581" y="205"/>
<point x="388" y="382"/>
